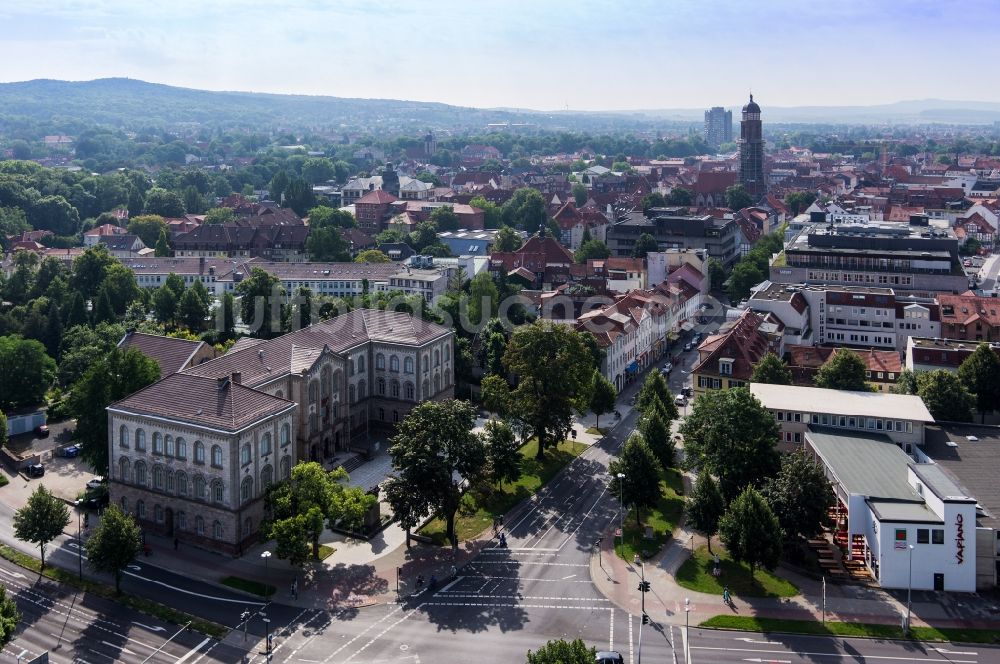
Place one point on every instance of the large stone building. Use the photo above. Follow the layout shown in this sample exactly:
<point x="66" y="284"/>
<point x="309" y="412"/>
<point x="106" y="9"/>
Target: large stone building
<point x="192" y="454"/>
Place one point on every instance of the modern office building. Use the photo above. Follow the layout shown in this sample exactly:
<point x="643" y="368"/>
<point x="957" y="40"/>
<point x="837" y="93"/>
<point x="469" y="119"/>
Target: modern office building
<point x="718" y="126"/>
<point x="673" y="228"/>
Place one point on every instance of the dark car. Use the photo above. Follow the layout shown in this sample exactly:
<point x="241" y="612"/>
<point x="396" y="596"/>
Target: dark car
<point x="687" y="391"/>
<point x="71" y="451"/>
<point x="609" y="657"/>
<point x="35" y="470"/>
<point x="42" y="431"/>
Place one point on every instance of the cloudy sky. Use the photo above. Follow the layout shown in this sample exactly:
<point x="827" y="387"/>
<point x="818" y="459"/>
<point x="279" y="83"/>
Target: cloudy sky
<point x="542" y="54"/>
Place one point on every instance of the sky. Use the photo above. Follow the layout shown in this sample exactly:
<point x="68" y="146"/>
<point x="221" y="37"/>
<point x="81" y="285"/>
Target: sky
<point x="539" y="54"/>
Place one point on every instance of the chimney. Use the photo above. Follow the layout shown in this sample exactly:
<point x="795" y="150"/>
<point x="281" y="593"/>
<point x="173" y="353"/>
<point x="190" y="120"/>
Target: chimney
<point x="237" y="378"/>
<point x="223" y="382"/>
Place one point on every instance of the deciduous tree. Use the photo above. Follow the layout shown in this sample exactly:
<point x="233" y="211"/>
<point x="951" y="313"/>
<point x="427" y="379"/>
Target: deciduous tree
<point x="563" y="652"/>
<point x="41" y="520"/>
<point x="261" y="303"/>
<point x="705" y="507"/>
<point x="844" y="371"/>
<point x="980" y="374"/>
<point x="770" y="369"/>
<point x="751" y="531"/>
<point x="26" y="372"/>
<point x="603" y="396"/>
<point x="945" y="396"/>
<point x="10" y="616"/>
<point x="164" y="203"/>
<point x="645" y="244"/>
<point x="113" y="544"/>
<point x="371" y="256"/>
<point x="507" y="239"/>
<point x="503" y="454"/>
<point x="641" y="485"/>
<point x="737" y="197"/>
<point x="800" y="495"/>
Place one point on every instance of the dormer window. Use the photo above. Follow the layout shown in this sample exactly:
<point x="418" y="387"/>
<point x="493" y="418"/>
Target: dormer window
<point x="726" y="366"/>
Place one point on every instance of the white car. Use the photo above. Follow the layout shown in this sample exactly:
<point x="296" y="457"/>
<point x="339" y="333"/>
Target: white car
<point x="667" y="368"/>
<point x="95" y="483"/>
<point x="680" y="400"/>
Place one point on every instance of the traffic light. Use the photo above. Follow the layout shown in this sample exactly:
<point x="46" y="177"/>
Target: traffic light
<point x="645" y="619"/>
<point x="644" y="586"/>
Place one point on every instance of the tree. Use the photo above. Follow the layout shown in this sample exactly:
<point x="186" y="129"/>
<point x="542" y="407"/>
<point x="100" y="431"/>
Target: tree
<point x="653" y="200"/>
<point x="220" y="215"/>
<point x="503" y="454"/>
<point x="162" y="248"/>
<point x="26" y="372"/>
<point x="580" y="194"/>
<point x="737" y="197"/>
<point x="41" y="520"/>
<point x="54" y="213"/>
<point x="745" y="275"/>
<point x="165" y="305"/>
<point x="554" y="373"/>
<point x="705" y="507"/>
<point x="433" y="449"/>
<point x="3" y="429"/>
<point x="906" y="383"/>
<point x="680" y="196"/>
<point x="730" y="434"/>
<point x="113" y="544"/>
<point x="645" y="244"/>
<point x="10" y="616"/>
<point x="484" y="299"/>
<point x="655" y="393"/>
<point x="751" y="531"/>
<point x="323" y="216"/>
<point x="90" y="268"/>
<point x="770" y="369"/>
<point x="148" y="227"/>
<point x="325" y="244"/>
<point x="371" y="256"/>
<point x="641" y="484"/>
<point x="525" y="210"/>
<point x="109" y="379"/>
<point x="445" y="218"/>
<point x="716" y="273"/>
<point x="844" y="371"/>
<point x="591" y="249"/>
<point x="318" y="169"/>
<point x="800" y="495"/>
<point x="276" y="188"/>
<point x="311" y="500"/>
<point x="299" y="196"/>
<point x="192" y="310"/>
<point x="492" y="216"/>
<point x="424" y="235"/>
<point x="164" y="203"/>
<point x="563" y="652"/>
<point x="655" y="429"/>
<point x="945" y="396"/>
<point x="121" y="287"/>
<point x="603" y="396"/>
<point x="82" y="345"/>
<point x="261" y="299"/>
<point x="227" y="313"/>
<point x="799" y="201"/>
<point x="507" y="239"/>
<point x="980" y="374"/>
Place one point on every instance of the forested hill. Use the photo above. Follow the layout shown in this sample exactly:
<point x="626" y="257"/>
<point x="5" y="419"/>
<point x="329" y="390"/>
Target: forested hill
<point x="130" y="103"/>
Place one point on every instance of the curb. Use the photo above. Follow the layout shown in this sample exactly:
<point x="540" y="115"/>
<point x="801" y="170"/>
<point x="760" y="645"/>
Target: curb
<point x="843" y="636"/>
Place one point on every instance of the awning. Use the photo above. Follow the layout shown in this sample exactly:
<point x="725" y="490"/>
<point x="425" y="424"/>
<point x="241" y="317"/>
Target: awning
<point x="632" y="368"/>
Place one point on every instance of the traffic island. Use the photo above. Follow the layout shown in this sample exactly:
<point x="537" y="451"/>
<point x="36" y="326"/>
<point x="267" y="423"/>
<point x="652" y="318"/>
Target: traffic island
<point x="863" y="630"/>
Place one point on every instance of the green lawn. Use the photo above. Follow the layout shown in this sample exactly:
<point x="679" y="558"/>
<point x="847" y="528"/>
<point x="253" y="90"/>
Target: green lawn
<point x="696" y="574"/>
<point x="594" y="431"/>
<point x="830" y="628"/>
<point x="3" y="479"/>
<point x="480" y="507"/>
<point x="662" y="519"/>
<point x="246" y="585"/>
<point x="325" y="551"/>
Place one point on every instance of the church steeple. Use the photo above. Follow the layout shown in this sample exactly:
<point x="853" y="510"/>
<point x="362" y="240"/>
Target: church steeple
<point x="752" y="151"/>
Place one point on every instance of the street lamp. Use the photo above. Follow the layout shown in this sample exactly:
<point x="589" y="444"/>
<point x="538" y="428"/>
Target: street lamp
<point x="79" y="543"/>
<point x="909" y="590"/>
<point x="621" y="506"/>
<point x="687" y="622"/>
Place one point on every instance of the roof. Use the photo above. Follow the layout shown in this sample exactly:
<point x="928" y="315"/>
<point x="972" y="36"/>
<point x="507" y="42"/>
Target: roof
<point x="741" y="341"/>
<point x="204" y="402"/>
<point x="970" y="464"/>
<point x="171" y="354"/>
<point x="864" y="464"/>
<point x="841" y="402"/>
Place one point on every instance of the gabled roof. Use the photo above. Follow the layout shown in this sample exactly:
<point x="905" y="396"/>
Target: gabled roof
<point x="171" y="354"/>
<point x="741" y="340"/>
<point x="376" y="197"/>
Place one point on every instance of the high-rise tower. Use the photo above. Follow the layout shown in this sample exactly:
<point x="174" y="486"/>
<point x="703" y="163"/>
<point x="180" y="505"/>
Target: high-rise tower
<point x="752" y="151"/>
<point x="718" y="126"/>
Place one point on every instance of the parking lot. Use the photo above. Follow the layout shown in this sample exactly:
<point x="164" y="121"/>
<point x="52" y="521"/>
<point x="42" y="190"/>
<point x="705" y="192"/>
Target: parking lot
<point x="64" y="477"/>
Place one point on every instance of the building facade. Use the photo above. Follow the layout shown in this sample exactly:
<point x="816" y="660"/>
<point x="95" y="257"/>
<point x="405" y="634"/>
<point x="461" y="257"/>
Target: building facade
<point x="718" y="126"/>
<point x="751" y="146"/>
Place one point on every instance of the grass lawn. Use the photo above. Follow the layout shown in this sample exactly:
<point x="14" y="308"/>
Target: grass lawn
<point x="696" y="574"/>
<point x="662" y="519"/>
<point x="325" y="551"/>
<point x="3" y="479"/>
<point x="246" y="585"/>
<point x="830" y="628"/>
<point x="479" y="507"/>
<point x="594" y="431"/>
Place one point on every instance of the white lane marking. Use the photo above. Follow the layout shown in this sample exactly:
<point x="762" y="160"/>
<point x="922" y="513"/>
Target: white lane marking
<point x="568" y="577"/>
<point x="101" y="654"/>
<point x="379" y="635"/>
<point x="758" y="660"/>
<point x="121" y="648"/>
<point x="194" y="594"/>
<point x="541" y="499"/>
<point x="611" y="632"/>
<point x="519" y="550"/>
<point x="631" y="657"/>
<point x="523" y="578"/>
<point x="16" y="575"/>
<point x="560" y="597"/>
<point x="824" y="654"/>
<point x="456" y="580"/>
<point x="585" y="517"/>
<point x="192" y="651"/>
<point x="365" y="630"/>
<point x="521" y="563"/>
<point x="318" y="614"/>
<point x="151" y="629"/>
<point x="515" y="605"/>
<point x="945" y="651"/>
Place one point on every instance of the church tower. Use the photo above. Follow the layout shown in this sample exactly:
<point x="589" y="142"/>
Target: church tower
<point x="752" y="151"/>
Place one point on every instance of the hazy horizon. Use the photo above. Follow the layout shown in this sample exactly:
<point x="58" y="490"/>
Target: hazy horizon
<point x="586" y="56"/>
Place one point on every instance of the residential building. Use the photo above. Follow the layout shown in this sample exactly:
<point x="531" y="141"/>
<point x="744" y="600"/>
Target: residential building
<point x="372" y="211"/>
<point x="465" y="242"/>
<point x="538" y="258"/>
<point x="673" y="228"/>
<point x="277" y="242"/>
<point x="751" y="145"/>
<point x="94" y="235"/>
<point x="930" y="353"/>
<point x="171" y="354"/>
<point x="124" y="246"/>
<point x="882" y="367"/>
<point x="624" y="331"/>
<point x="193" y="454"/>
<point x="969" y="317"/>
<point x="726" y="359"/>
<point x="718" y="126"/>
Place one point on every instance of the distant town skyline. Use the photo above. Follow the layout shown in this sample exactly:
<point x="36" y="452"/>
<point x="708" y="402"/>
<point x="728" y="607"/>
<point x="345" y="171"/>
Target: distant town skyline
<point x="646" y="54"/>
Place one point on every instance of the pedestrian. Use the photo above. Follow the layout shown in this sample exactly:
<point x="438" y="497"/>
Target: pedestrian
<point x="176" y="543"/>
<point x="454" y="571"/>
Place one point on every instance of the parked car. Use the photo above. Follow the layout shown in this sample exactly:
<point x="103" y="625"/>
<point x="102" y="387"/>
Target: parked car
<point x="667" y="368"/>
<point x="687" y="391"/>
<point x="680" y="400"/>
<point x="42" y="431"/>
<point x="71" y="451"/>
<point x="609" y="657"/>
<point x="96" y="483"/>
<point x="688" y="346"/>
<point x="35" y="470"/>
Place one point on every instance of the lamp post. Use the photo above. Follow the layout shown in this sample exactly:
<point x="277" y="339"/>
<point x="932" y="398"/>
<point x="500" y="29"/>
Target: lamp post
<point x="79" y="543"/>
<point x="687" y="622"/>
<point x="267" y="636"/>
<point x="621" y="506"/>
<point x="909" y="590"/>
<point x="245" y="618"/>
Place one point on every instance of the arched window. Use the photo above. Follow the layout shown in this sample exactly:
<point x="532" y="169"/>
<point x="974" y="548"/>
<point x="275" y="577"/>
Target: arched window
<point x="123" y="469"/>
<point x="361" y="363"/>
<point x="123" y="436"/>
<point x="217" y="529"/>
<point x="169" y="484"/>
<point x="218" y="495"/>
<point x="447" y="352"/>
<point x="140" y="509"/>
<point x="182" y="483"/>
<point x="247" y="526"/>
<point x="426" y="363"/>
<point x="324" y="381"/>
<point x="199" y="487"/>
<point x="279" y="394"/>
<point x="157" y="443"/>
<point x="313" y="389"/>
<point x="409" y="390"/>
<point x="199" y="525"/>
<point x="425" y="388"/>
<point x="246" y="489"/>
<point x="245" y="456"/>
<point x="362" y="389"/>
<point x="265" y="444"/>
<point x="158" y="477"/>
<point x="124" y="503"/>
<point x="437" y="357"/>
<point x="408" y="365"/>
<point x="140" y="473"/>
<point x="158" y="513"/>
<point x="335" y="382"/>
<point x="199" y="452"/>
<point x="286" y="434"/>
<point x="380" y="385"/>
<point x="351" y="398"/>
<point x="350" y="368"/>
<point x="168" y="445"/>
<point x="394" y="389"/>
<point x="379" y="361"/>
<point x="437" y="383"/>
<point x="266" y="477"/>
<point x="182" y="521"/>
<point x="140" y="441"/>
<point x="182" y="448"/>
<point x="394" y="363"/>
<point x="216" y="456"/>
<point x="286" y="467"/>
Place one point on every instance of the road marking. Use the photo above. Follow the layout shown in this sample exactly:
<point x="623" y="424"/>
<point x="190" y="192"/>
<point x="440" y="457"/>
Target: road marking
<point x="945" y="651"/>
<point x="611" y="634"/>
<point x="515" y="605"/>
<point x="631" y="657"/>
<point x="192" y="651"/>
<point x="194" y="594"/>
<point x="151" y="629"/>
<point x="749" y="640"/>
<point x="456" y="580"/>
<point x="456" y="594"/>
<point x="769" y="661"/>
<point x="568" y="577"/>
<point x="362" y="632"/>
<point x="529" y="562"/>
<point x="101" y="654"/>
<point x="524" y="578"/>
<point x="121" y="648"/>
<point x="826" y="654"/>
<point x="380" y="634"/>
<point x="585" y="517"/>
<point x="16" y="575"/>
